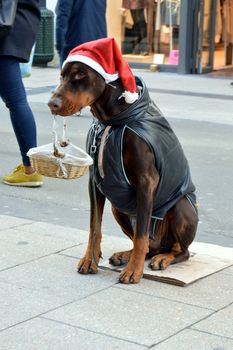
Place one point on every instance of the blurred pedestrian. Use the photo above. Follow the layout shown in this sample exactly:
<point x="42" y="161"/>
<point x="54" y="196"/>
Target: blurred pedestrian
<point x="137" y="10"/>
<point x="15" y="48"/>
<point x="78" y="21"/>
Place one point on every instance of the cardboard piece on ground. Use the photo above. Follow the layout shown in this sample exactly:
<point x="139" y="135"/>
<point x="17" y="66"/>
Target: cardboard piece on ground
<point x="205" y="260"/>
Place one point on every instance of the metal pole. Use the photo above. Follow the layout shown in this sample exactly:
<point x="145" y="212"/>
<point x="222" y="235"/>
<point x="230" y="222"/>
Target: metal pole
<point x="170" y="26"/>
<point x="213" y="14"/>
<point x="187" y="37"/>
<point x="231" y="21"/>
<point x="200" y="37"/>
<point x="226" y="6"/>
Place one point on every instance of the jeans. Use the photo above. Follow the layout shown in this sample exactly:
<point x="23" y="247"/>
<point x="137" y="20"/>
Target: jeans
<point x="13" y="94"/>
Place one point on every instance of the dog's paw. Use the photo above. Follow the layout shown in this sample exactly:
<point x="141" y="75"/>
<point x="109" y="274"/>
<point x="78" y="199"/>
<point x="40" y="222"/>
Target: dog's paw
<point x="86" y="266"/>
<point x="129" y="275"/>
<point x="120" y="258"/>
<point x="160" y="262"/>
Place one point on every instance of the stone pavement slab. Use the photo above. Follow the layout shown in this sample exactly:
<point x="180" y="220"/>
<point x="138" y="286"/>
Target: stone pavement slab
<point x="220" y="323"/>
<point x="19" y="247"/>
<point x="128" y="315"/>
<point x="213" y="292"/>
<point x="194" y="340"/>
<point x="20" y="304"/>
<point x="229" y="270"/>
<point x="23" y="240"/>
<point x="56" y="275"/>
<point x="43" y="334"/>
<point x="11" y="222"/>
<point x="55" y="232"/>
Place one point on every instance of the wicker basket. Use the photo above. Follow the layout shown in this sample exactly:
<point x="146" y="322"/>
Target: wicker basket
<point x="52" y="169"/>
<point x="59" y="164"/>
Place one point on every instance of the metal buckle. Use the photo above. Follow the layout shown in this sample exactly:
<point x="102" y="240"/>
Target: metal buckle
<point x="93" y="149"/>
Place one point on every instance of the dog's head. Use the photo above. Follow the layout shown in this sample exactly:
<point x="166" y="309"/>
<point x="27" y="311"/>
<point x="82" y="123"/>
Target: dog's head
<point x="80" y="86"/>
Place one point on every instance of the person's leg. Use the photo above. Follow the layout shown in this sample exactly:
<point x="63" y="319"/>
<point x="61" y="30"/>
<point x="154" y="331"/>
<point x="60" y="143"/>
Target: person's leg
<point x="64" y="53"/>
<point x="141" y="46"/>
<point x="13" y="94"/>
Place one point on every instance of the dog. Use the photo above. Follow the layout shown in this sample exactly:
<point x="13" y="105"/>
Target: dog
<point x="139" y="164"/>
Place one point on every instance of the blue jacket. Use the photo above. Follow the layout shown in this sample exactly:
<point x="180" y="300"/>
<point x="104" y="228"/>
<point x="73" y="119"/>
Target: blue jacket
<point x="79" y="21"/>
<point x="145" y="119"/>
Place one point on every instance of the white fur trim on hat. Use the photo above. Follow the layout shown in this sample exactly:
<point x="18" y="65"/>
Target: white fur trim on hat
<point x="130" y="97"/>
<point x="93" y="64"/>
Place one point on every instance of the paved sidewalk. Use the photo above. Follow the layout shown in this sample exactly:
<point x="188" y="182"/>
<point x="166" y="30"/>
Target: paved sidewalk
<point x="45" y="304"/>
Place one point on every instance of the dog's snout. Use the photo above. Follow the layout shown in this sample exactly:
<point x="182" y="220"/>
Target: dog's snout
<point x="54" y="104"/>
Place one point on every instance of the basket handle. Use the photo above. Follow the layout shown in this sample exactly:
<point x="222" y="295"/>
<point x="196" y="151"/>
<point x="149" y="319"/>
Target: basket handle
<point x="64" y="142"/>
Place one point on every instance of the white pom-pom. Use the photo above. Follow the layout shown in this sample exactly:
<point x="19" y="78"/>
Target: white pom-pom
<point x="130" y="97"/>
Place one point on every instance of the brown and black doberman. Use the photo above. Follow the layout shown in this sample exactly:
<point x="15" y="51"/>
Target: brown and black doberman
<point x="82" y="86"/>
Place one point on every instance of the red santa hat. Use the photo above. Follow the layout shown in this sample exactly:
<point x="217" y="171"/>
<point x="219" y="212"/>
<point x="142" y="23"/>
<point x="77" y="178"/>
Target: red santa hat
<point x="104" y="56"/>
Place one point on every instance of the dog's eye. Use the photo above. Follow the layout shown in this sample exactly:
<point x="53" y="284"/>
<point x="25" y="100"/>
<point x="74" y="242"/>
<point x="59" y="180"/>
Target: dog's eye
<point x="79" y="75"/>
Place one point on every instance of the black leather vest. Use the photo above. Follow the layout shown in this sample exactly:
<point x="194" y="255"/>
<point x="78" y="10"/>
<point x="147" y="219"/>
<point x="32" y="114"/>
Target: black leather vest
<point x="146" y="120"/>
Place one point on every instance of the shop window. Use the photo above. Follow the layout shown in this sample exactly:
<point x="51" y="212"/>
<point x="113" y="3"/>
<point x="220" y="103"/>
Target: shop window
<point x="150" y="31"/>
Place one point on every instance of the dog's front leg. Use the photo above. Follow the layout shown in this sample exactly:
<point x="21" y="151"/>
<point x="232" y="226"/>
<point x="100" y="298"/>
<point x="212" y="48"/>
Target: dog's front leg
<point x="88" y="264"/>
<point x="139" y="162"/>
<point x="134" y="270"/>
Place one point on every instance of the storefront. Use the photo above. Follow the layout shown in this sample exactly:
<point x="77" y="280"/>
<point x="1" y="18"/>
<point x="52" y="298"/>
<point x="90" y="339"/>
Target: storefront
<point x="184" y="36"/>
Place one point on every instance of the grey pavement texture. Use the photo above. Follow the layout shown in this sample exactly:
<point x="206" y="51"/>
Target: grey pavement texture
<point x="45" y="304"/>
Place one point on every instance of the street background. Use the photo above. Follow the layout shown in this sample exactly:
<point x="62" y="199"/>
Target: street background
<point x="200" y="110"/>
<point x="45" y="304"/>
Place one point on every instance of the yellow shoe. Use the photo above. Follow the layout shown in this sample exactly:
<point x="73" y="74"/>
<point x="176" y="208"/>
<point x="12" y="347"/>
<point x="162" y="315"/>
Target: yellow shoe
<point x="19" y="178"/>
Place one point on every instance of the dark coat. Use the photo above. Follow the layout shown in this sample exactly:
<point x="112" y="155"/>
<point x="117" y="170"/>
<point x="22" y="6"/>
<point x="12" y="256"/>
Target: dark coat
<point x="79" y="21"/>
<point x="146" y="121"/>
<point x="21" y="39"/>
<point x="134" y="4"/>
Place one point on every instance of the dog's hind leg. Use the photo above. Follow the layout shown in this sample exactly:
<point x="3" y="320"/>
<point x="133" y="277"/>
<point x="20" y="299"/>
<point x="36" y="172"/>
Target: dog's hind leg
<point x="162" y="261"/>
<point x="182" y="225"/>
<point x="122" y="258"/>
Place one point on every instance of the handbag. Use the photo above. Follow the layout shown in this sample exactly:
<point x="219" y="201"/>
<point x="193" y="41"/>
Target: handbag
<point x="7" y="16"/>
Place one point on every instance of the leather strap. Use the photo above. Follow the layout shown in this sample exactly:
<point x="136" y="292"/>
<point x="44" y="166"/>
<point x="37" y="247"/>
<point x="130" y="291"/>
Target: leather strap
<point x="101" y="151"/>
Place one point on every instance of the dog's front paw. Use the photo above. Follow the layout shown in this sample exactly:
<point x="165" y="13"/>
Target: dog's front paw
<point x="130" y="275"/>
<point x="86" y="266"/>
